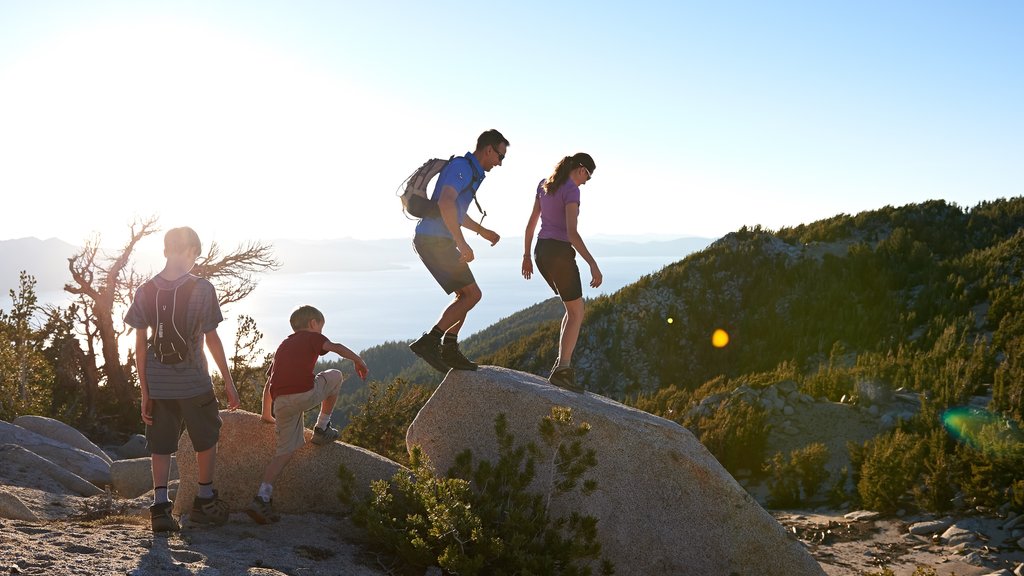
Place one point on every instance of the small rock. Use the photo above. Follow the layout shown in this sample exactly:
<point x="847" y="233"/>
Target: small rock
<point x="1013" y="521"/>
<point x="930" y="527"/>
<point x="135" y="447"/>
<point x="13" y="508"/>
<point x="955" y="535"/>
<point x="861" y="515"/>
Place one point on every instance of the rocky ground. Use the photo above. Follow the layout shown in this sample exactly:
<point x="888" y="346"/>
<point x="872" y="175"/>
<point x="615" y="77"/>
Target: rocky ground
<point x="104" y="535"/>
<point x="98" y="535"/>
<point x="91" y="536"/>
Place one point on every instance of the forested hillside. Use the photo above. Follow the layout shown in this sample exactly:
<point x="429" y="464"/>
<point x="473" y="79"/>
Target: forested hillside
<point x="887" y="282"/>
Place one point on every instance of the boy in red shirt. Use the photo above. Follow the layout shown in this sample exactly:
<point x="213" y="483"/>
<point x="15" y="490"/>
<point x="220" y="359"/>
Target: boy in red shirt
<point x="291" y="390"/>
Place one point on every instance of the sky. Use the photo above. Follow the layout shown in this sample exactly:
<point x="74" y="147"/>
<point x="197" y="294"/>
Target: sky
<point x="260" y="120"/>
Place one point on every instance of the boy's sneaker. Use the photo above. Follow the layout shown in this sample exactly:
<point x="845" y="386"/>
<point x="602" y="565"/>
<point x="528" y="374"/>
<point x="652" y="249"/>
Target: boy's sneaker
<point x="325" y="435"/>
<point x="209" y="510"/>
<point x="452" y="356"/>
<point x="565" y="377"/>
<point x="429" y="348"/>
<point x="160" y="516"/>
<point x="262" y="512"/>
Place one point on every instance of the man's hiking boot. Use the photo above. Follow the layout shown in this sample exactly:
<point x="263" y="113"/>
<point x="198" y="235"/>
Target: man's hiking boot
<point x="160" y="516"/>
<point x="453" y="357"/>
<point x="325" y="435"/>
<point x="262" y="512"/>
<point x="565" y="377"/>
<point x="209" y="510"/>
<point x="429" y="348"/>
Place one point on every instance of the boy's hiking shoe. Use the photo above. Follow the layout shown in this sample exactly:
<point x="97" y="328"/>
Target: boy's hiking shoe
<point x="452" y="356"/>
<point x="565" y="377"/>
<point x="160" y="516"/>
<point x="429" y="348"/>
<point x="262" y="512"/>
<point x="325" y="435"/>
<point x="209" y="510"/>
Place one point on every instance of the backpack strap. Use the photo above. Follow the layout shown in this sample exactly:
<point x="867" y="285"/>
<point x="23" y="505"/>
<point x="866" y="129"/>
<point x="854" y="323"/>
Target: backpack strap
<point x="477" y="177"/>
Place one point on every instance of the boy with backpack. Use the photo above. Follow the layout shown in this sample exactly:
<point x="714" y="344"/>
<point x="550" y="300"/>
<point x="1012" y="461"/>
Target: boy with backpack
<point x="291" y="390"/>
<point x="182" y="311"/>
<point x="446" y="254"/>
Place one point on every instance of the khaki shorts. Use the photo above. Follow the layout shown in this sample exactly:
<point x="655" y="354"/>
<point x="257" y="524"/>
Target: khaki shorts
<point x="289" y="410"/>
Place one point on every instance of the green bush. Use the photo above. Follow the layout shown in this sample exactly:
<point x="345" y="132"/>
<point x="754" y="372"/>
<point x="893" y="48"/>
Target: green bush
<point x="941" y="475"/>
<point x="483" y="518"/>
<point x="736" y="434"/>
<point x="805" y="470"/>
<point x="890" y="468"/>
<point x="382" y="421"/>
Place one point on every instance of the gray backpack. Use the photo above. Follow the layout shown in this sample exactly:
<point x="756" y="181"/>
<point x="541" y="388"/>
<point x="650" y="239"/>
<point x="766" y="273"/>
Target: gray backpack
<point x="416" y="201"/>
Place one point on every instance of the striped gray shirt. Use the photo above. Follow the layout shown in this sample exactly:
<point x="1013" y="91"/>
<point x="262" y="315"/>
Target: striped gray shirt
<point x="191" y="377"/>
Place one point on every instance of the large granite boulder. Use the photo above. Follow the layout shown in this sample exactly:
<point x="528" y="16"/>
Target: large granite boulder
<point x="26" y="468"/>
<point x="308" y="483"/>
<point x="61" y="432"/>
<point x="82" y="463"/>
<point x="664" y="505"/>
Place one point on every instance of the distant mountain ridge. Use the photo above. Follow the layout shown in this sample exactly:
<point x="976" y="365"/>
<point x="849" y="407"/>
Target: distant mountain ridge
<point x="46" y="260"/>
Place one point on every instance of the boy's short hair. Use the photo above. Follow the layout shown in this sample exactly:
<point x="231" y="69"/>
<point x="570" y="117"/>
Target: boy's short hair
<point x="177" y="240"/>
<point x="302" y="315"/>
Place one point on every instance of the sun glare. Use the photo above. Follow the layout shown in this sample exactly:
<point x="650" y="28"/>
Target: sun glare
<point x="173" y="118"/>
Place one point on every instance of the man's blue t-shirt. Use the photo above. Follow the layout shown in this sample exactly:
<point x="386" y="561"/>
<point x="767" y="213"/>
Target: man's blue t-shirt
<point x="457" y="174"/>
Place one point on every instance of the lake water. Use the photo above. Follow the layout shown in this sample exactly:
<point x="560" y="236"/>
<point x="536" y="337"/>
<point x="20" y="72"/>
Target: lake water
<point x="366" y="308"/>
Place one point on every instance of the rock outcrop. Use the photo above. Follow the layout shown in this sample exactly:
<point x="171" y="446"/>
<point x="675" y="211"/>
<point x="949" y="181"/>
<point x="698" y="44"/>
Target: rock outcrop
<point x="84" y="464"/>
<point x="664" y="504"/>
<point x="61" y="432"/>
<point x="38" y="471"/>
<point x="308" y="483"/>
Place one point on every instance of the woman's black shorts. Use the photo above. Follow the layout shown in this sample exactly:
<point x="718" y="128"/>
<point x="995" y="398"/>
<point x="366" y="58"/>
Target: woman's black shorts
<point x="556" y="261"/>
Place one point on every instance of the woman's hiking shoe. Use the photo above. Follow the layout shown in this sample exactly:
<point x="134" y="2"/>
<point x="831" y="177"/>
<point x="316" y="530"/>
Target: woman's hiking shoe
<point x="452" y="356"/>
<point x="325" y="435"/>
<point x="429" y="348"/>
<point x="565" y="377"/>
<point x="209" y="510"/>
<point x="262" y="512"/>
<point x="160" y="516"/>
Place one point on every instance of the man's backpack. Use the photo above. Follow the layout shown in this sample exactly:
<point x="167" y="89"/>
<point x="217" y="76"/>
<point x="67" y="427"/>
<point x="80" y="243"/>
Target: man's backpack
<point x="171" y="338"/>
<point x="416" y="200"/>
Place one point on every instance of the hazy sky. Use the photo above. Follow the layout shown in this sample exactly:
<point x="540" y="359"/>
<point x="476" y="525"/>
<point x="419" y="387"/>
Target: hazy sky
<point x="264" y="120"/>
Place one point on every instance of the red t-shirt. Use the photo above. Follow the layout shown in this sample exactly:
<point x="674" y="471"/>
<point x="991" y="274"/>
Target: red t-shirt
<point x="291" y="372"/>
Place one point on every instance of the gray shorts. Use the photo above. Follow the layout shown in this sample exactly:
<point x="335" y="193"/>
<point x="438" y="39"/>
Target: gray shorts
<point x="200" y="415"/>
<point x="441" y="258"/>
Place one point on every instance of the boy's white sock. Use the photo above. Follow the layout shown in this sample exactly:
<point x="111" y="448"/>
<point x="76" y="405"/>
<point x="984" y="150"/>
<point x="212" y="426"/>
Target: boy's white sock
<point x="206" y="490"/>
<point x="323" y="420"/>
<point x="160" y="495"/>
<point x="266" y="491"/>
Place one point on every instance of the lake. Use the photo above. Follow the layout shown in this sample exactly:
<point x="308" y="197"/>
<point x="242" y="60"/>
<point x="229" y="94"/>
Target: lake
<point x="367" y="308"/>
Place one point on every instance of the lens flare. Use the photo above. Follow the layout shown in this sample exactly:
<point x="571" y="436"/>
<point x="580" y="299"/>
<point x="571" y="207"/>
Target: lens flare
<point x="719" y="338"/>
<point x="982" y="430"/>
